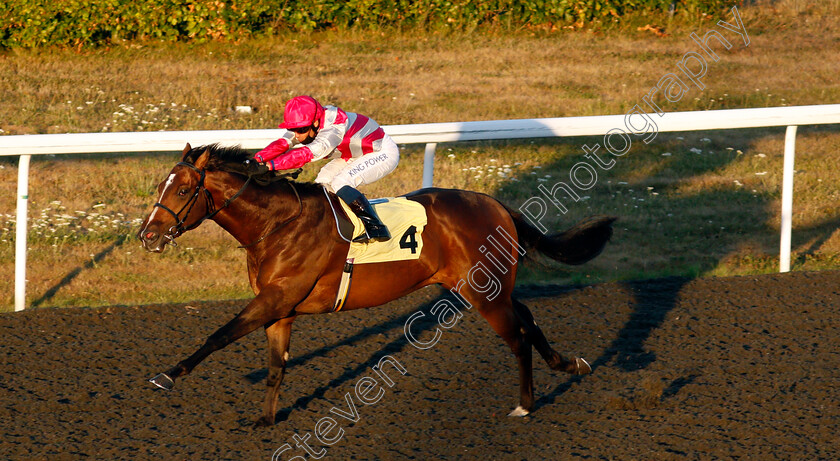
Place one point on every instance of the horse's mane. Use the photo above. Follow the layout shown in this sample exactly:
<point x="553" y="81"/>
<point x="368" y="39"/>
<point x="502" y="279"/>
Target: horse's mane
<point x="220" y="156"/>
<point x="232" y="159"/>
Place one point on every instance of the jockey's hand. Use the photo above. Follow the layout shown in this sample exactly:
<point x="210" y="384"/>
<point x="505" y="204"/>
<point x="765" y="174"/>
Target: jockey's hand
<point x="255" y="168"/>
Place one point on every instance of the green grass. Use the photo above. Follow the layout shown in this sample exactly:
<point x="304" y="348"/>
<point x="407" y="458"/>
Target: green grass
<point x="680" y="212"/>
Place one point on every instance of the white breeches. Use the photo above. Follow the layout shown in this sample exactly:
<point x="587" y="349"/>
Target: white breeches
<point x="361" y="170"/>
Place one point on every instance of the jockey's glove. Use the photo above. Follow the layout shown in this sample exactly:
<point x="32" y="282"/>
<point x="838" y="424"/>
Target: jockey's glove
<point x="255" y="168"/>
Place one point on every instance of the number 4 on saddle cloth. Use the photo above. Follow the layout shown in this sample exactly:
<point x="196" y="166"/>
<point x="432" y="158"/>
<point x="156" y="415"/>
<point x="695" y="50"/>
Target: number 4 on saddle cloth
<point x="405" y="220"/>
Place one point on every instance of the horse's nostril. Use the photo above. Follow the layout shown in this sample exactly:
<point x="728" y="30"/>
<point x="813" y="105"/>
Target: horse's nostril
<point x="150" y="235"/>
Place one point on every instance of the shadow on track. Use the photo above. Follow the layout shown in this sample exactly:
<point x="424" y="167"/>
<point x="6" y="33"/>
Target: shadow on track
<point x="363" y="365"/>
<point x="653" y="301"/>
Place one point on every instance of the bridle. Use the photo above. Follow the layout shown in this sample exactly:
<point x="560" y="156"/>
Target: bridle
<point x="178" y="228"/>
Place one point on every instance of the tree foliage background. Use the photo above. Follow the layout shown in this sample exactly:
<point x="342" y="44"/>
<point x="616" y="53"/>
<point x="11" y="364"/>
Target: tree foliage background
<point x="82" y="23"/>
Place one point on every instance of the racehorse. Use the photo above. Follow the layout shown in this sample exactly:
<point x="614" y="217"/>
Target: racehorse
<point x="296" y="255"/>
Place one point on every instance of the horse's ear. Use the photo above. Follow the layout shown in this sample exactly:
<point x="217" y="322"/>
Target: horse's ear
<point x="185" y="152"/>
<point x="202" y="160"/>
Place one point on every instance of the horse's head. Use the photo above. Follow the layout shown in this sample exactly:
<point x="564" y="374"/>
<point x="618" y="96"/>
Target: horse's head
<point x="184" y="202"/>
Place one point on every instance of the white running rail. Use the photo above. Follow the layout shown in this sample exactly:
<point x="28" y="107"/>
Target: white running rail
<point x="429" y="134"/>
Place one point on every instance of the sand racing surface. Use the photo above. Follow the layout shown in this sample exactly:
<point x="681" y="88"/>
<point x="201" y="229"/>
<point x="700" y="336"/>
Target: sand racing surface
<point x="744" y="367"/>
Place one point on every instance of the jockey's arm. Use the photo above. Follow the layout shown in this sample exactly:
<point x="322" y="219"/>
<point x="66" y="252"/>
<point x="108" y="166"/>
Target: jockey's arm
<point x="276" y="148"/>
<point x="325" y="142"/>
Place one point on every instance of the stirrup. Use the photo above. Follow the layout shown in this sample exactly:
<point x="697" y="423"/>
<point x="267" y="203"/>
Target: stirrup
<point x="380" y="234"/>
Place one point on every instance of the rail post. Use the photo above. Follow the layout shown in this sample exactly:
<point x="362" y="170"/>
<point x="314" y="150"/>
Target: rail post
<point x="21" y="228"/>
<point x="429" y="164"/>
<point x="787" y="199"/>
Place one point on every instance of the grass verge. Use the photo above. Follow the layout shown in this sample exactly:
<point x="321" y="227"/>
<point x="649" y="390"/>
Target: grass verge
<point x="698" y="204"/>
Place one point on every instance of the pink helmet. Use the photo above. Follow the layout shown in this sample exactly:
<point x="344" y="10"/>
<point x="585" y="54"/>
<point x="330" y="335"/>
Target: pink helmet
<point x="301" y="111"/>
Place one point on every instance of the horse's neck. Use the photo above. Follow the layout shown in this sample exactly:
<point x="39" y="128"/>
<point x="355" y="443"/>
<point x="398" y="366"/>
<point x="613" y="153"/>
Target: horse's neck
<point x="259" y="211"/>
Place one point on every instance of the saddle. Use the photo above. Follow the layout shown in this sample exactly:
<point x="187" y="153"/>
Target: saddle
<point x="405" y="220"/>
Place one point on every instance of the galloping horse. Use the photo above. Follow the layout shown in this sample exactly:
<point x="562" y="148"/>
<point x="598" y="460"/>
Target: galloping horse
<point x="296" y="257"/>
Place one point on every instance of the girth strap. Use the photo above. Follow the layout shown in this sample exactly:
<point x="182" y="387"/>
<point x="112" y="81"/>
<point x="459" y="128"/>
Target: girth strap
<point x="344" y="286"/>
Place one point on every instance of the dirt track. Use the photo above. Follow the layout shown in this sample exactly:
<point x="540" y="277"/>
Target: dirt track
<point x="744" y="368"/>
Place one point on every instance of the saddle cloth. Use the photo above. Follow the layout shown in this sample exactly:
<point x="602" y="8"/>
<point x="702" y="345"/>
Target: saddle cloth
<point x="405" y="220"/>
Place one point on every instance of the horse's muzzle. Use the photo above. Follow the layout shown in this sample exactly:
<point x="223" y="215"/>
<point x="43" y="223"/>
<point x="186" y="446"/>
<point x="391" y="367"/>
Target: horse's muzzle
<point x="152" y="241"/>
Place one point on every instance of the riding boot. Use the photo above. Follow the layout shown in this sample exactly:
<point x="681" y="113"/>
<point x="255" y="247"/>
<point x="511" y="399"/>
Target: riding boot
<point x="374" y="229"/>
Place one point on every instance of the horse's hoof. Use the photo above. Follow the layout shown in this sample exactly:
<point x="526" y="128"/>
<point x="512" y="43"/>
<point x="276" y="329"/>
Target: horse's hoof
<point x="519" y="411"/>
<point x="582" y="366"/>
<point x="163" y="381"/>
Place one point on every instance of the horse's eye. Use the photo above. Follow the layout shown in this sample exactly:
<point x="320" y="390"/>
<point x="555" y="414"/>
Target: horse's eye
<point x="182" y="192"/>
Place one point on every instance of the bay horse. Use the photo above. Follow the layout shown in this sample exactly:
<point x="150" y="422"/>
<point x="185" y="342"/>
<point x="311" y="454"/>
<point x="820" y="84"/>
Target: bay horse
<point x="295" y="258"/>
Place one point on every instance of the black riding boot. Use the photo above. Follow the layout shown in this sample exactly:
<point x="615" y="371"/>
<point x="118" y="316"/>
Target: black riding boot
<point x="374" y="228"/>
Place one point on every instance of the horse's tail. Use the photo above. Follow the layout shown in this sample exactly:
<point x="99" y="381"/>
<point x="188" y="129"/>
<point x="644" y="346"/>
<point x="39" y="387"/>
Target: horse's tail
<point x="584" y="241"/>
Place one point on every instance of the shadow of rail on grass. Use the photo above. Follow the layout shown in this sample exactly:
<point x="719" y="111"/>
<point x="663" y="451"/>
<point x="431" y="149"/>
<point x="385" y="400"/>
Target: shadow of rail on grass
<point x="67" y="279"/>
<point x="815" y="236"/>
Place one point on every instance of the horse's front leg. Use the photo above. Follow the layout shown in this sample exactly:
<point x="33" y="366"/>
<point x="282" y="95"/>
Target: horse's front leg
<point x="279" y="334"/>
<point x="267" y="306"/>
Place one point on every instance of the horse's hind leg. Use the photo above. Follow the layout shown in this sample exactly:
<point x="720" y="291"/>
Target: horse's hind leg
<point x="577" y="366"/>
<point x="279" y="335"/>
<point x="505" y="322"/>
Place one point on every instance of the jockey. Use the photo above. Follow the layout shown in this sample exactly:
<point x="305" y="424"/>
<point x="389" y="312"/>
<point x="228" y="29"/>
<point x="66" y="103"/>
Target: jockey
<point x="360" y="150"/>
